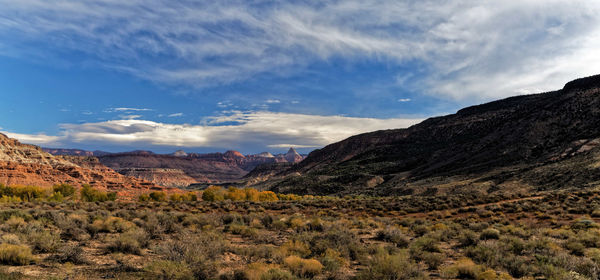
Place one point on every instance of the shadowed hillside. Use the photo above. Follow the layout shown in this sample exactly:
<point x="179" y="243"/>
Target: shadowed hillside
<point x="545" y="140"/>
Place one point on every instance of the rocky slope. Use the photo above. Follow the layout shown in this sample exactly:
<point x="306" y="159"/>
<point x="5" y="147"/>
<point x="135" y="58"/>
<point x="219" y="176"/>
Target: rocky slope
<point x="166" y="177"/>
<point x="546" y="140"/>
<point x="22" y="164"/>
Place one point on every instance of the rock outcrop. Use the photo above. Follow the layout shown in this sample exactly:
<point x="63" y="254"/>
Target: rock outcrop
<point x="166" y="177"/>
<point x="22" y="164"/>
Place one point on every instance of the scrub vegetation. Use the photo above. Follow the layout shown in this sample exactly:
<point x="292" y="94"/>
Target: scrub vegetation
<point x="250" y="234"/>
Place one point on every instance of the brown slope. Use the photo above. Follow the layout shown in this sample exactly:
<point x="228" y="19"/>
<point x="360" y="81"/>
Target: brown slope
<point x="24" y="164"/>
<point x="518" y="133"/>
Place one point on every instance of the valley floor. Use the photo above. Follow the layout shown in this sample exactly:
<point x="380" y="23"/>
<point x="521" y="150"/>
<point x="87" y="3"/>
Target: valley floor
<point x="549" y="235"/>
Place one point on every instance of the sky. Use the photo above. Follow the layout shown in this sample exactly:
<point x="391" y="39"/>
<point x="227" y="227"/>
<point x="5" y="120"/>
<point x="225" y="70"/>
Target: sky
<point x="256" y="76"/>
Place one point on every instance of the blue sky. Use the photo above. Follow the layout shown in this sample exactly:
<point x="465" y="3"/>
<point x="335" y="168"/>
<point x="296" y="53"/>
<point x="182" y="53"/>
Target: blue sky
<point x="265" y="75"/>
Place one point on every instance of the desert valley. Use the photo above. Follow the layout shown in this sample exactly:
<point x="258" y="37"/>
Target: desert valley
<point x="503" y="190"/>
<point x="296" y="140"/>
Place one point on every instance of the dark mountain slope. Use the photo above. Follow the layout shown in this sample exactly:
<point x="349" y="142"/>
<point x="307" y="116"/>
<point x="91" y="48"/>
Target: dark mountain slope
<point x="502" y="139"/>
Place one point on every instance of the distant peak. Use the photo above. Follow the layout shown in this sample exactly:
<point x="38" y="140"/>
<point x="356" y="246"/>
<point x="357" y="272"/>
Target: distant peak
<point x="292" y="151"/>
<point x="180" y="153"/>
<point x="232" y="153"/>
<point x="583" y="83"/>
<point x="265" y="154"/>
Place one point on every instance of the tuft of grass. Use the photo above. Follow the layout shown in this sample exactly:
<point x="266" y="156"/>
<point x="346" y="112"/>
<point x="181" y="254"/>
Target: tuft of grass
<point x="307" y="268"/>
<point x="172" y="270"/>
<point x="15" y="254"/>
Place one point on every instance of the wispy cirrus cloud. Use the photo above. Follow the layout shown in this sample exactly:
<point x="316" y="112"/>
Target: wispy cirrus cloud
<point x="125" y="109"/>
<point x="247" y="131"/>
<point x="466" y="49"/>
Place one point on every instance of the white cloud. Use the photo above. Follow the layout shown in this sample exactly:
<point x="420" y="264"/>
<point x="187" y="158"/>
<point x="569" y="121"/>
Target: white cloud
<point x="37" y="139"/>
<point x="174" y="115"/>
<point x="125" y="109"/>
<point x="250" y="129"/>
<point x="129" y="117"/>
<point x="467" y="49"/>
<point x="404" y="100"/>
<point x="273" y="101"/>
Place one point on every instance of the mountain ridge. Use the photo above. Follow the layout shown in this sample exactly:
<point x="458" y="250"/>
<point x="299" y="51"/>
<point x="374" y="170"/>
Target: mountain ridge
<point x="522" y="133"/>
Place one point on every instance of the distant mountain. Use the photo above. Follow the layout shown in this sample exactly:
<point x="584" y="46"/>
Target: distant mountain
<point x="180" y="153"/>
<point x="68" y="152"/>
<point x="540" y="141"/>
<point x="293" y="156"/>
<point x="181" y="168"/>
<point x="22" y="164"/>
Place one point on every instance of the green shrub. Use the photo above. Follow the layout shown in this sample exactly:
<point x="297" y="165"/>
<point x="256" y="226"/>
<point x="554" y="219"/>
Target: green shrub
<point x="44" y="241"/>
<point x="391" y="267"/>
<point x="467" y="238"/>
<point x="65" y="190"/>
<point x="15" y="254"/>
<point x="463" y="269"/>
<point x="213" y="193"/>
<point x="307" y="268"/>
<point x="129" y="242"/>
<point x="90" y="194"/>
<point x="489" y="233"/>
<point x="158" y="196"/>
<point x="393" y="235"/>
<point x="25" y="193"/>
<point x="190" y="196"/>
<point x="433" y="260"/>
<point x="332" y="260"/>
<point x="171" y="270"/>
<point x="277" y="274"/>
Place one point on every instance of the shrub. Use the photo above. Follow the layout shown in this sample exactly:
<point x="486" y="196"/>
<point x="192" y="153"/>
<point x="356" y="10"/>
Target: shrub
<point x="44" y="241"/>
<point x="433" y="260"/>
<point x="393" y="235"/>
<point x="72" y="253"/>
<point x="158" y="196"/>
<point x="171" y="270"/>
<point x="277" y="274"/>
<point x="267" y="196"/>
<point x="467" y="238"/>
<point x="391" y="267"/>
<point x="213" y="193"/>
<point x="112" y="224"/>
<point x="190" y="196"/>
<point x="198" y="251"/>
<point x="489" y="233"/>
<point x="10" y="199"/>
<point x="65" y="190"/>
<point x="90" y="194"/>
<point x="25" y="193"/>
<point x="463" y="269"/>
<point x="294" y="247"/>
<point x="56" y="197"/>
<point x="235" y="194"/>
<point x="332" y="260"/>
<point x="129" y="242"/>
<point x="251" y="194"/>
<point x="422" y="245"/>
<point x="15" y="254"/>
<point x="303" y="267"/>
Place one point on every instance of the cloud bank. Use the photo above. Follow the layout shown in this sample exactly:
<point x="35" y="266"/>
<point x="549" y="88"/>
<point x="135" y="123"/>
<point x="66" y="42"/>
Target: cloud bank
<point x="247" y="131"/>
<point x="464" y="49"/>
